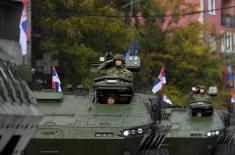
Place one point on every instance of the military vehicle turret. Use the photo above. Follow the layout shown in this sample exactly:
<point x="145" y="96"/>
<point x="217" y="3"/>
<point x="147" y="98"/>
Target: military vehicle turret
<point x="196" y="129"/>
<point x="19" y="114"/>
<point x="81" y="122"/>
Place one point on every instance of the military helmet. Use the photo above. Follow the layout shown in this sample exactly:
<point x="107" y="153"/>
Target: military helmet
<point x="202" y="87"/>
<point x="119" y="57"/>
<point x="111" y="95"/>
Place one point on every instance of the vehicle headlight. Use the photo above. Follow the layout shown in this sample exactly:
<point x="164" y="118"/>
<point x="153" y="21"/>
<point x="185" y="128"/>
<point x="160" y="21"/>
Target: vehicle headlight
<point x="212" y="133"/>
<point x="126" y="132"/>
<point x="140" y="130"/>
<point x="208" y="134"/>
<point x="133" y="132"/>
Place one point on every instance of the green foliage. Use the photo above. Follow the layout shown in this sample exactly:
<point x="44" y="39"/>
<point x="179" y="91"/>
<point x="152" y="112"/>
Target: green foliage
<point x="77" y="40"/>
<point x="222" y="99"/>
<point x="191" y="59"/>
<point x="63" y="27"/>
<point x="184" y="53"/>
<point x="177" y="97"/>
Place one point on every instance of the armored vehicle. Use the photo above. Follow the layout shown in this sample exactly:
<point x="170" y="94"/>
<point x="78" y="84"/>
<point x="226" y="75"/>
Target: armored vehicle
<point x="196" y="129"/>
<point x="19" y="114"/>
<point x="86" y="123"/>
<point x="81" y="122"/>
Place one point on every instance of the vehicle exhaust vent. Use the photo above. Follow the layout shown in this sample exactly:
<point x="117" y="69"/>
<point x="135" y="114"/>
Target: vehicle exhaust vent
<point x="9" y="148"/>
<point x="226" y="139"/>
<point x="151" y="142"/>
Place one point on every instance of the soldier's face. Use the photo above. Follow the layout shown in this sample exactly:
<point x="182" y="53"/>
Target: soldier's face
<point x="202" y="91"/>
<point x="118" y="62"/>
<point x="111" y="100"/>
<point x="199" y="114"/>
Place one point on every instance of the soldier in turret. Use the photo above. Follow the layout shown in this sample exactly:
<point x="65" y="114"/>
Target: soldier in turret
<point x="117" y="68"/>
<point x="111" y="99"/>
<point x="199" y="94"/>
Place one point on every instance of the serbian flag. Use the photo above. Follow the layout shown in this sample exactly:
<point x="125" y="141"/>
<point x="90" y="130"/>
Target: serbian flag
<point x="55" y="80"/>
<point x="167" y="100"/>
<point x="24" y="35"/>
<point x="233" y="97"/>
<point x="126" y="56"/>
<point x="161" y="80"/>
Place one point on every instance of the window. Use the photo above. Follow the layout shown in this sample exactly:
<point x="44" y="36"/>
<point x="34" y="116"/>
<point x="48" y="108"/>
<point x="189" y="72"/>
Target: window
<point x="228" y="42"/>
<point x="202" y="112"/>
<point x="211" y="7"/>
<point x="119" y="97"/>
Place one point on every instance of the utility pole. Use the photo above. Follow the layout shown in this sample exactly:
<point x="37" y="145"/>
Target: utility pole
<point x="131" y="4"/>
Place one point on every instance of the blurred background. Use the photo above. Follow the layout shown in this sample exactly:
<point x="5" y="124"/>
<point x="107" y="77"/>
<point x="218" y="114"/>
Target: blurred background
<point x="193" y="39"/>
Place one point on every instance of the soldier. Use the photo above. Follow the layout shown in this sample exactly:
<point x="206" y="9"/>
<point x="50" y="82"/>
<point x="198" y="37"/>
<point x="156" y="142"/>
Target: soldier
<point x="199" y="94"/>
<point x="118" y="67"/>
<point x="111" y="99"/>
<point x="202" y="89"/>
<point x="196" y="90"/>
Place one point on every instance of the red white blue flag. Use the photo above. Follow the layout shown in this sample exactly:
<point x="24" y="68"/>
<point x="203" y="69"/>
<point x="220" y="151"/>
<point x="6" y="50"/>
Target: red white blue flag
<point x="56" y="85"/>
<point x="24" y="35"/>
<point x="161" y="80"/>
<point x="167" y="100"/>
<point x="233" y="97"/>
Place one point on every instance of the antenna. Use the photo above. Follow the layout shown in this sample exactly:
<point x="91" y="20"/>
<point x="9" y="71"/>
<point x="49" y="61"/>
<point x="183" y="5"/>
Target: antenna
<point x="109" y="54"/>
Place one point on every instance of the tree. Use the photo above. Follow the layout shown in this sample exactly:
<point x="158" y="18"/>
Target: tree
<point x="68" y="29"/>
<point x="181" y="48"/>
<point x="77" y="30"/>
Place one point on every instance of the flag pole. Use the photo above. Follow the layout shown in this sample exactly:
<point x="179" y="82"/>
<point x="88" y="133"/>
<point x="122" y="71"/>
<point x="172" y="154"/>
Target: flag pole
<point x="23" y="59"/>
<point x="160" y="95"/>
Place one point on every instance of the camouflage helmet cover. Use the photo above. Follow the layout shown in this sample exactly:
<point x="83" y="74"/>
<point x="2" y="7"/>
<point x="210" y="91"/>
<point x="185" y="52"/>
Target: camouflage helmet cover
<point x="119" y="57"/>
<point x="202" y="87"/>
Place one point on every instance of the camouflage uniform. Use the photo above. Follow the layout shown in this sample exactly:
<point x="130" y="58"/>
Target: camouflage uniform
<point x="117" y="71"/>
<point x="197" y="96"/>
<point x="120" y="72"/>
<point x="201" y="97"/>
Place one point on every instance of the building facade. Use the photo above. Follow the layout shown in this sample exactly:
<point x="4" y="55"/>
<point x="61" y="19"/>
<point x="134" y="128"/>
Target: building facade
<point x="228" y="26"/>
<point x="217" y="14"/>
<point x="221" y="14"/>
